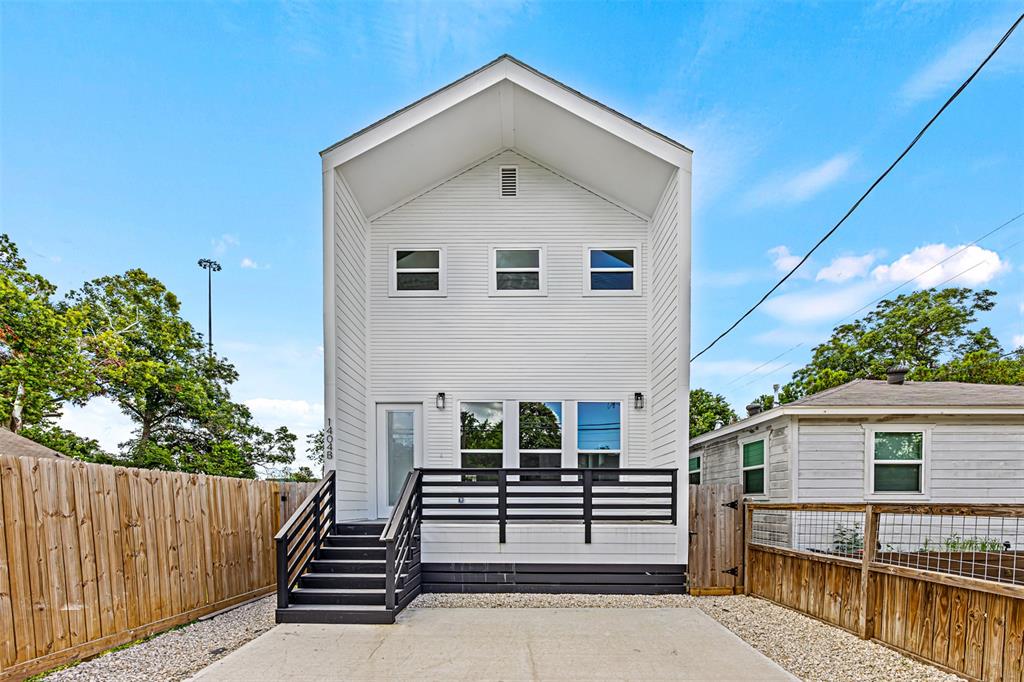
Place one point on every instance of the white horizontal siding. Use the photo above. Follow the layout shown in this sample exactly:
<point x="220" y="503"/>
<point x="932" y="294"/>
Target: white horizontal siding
<point x="549" y="543"/>
<point x="969" y="460"/>
<point x="474" y="346"/>
<point x="666" y="432"/>
<point x="351" y="237"/>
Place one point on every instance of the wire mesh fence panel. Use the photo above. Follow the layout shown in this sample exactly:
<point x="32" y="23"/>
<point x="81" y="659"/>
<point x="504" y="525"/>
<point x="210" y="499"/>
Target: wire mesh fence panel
<point x="971" y="546"/>
<point x="836" y="533"/>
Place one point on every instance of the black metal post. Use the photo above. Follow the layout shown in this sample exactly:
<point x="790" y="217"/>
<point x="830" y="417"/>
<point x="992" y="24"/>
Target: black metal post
<point x="588" y="503"/>
<point x="389" y="591"/>
<point x="502" y="503"/>
<point x="282" y="573"/>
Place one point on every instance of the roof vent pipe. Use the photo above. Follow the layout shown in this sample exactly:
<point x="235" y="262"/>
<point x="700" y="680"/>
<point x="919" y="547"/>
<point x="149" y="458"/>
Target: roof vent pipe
<point x="753" y="409"/>
<point x="897" y="374"/>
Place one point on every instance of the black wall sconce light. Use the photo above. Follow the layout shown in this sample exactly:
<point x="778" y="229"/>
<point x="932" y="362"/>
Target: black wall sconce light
<point x="638" y="401"/>
<point x="439" y="401"/>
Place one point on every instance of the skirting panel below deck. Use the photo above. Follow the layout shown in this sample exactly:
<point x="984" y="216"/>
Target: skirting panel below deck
<point x="555" y="578"/>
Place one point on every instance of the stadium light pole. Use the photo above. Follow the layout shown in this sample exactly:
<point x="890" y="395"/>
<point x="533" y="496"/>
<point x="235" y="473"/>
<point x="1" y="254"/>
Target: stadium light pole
<point x="211" y="266"/>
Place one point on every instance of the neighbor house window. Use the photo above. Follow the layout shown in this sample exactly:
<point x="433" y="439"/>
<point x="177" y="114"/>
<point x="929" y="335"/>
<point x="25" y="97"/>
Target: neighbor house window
<point x="695" y="470"/>
<point x="417" y="272"/>
<point x="612" y="270"/>
<point x="540" y="438"/>
<point x="481" y="437"/>
<point x="517" y="271"/>
<point x="753" y="467"/>
<point x="897" y="460"/>
<point x="599" y="436"/>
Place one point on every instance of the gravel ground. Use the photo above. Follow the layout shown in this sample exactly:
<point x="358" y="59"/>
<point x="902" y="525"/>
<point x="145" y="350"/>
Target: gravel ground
<point x="806" y="647"/>
<point x="178" y="654"/>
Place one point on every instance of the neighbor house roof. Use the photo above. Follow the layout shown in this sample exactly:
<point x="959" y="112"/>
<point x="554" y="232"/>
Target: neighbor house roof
<point x="867" y="396"/>
<point x="506" y="104"/>
<point x="19" y="446"/>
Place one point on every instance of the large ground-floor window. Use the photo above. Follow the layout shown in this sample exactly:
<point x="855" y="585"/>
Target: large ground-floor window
<point x="482" y="434"/>
<point x="540" y="437"/>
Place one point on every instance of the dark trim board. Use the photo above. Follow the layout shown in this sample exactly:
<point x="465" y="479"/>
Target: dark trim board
<point x="555" y="578"/>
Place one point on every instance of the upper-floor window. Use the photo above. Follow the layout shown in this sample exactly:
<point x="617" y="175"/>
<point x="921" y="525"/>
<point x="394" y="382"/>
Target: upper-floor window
<point x="754" y="467"/>
<point x="896" y="459"/>
<point x="417" y="272"/>
<point x="517" y="271"/>
<point x="694" y="469"/>
<point x="612" y="271"/>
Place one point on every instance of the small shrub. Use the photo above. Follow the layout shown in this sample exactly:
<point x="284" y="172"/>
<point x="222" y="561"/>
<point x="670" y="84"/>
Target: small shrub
<point x="848" y="539"/>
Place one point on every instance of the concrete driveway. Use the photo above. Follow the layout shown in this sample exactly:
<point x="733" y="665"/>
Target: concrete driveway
<point x="504" y="644"/>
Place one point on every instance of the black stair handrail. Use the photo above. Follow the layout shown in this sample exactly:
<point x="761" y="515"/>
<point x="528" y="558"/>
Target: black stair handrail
<point x="302" y="535"/>
<point x="400" y="536"/>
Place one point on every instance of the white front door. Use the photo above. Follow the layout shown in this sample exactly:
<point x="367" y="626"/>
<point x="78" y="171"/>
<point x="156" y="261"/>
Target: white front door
<point x="399" y="447"/>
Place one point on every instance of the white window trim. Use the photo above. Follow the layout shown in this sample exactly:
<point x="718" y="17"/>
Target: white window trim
<point x="493" y="270"/>
<point x="501" y="174"/>
<point x="621" y="452"/>
<point x="587" y="270"/>
<point x="441" y="270"/>
<point x="547" y="451"/>
<point x="764" y="465"/>
<point x="869" y="461"/>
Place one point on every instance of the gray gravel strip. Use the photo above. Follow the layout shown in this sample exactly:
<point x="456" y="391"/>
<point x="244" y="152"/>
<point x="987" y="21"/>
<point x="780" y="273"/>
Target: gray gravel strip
<point x="805" y="647"/>
<point x="177" y="654"/>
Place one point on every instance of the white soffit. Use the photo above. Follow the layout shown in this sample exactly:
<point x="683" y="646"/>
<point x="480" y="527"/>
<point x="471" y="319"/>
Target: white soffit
<point x="506" y="105"/>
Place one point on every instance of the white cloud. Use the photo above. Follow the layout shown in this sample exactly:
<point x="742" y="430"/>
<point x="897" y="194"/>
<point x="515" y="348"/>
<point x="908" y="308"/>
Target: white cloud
<point x="249" y="264"/>
<point x="224" y="242"/>
<point x="971" y="267"/>
<point x="803" y="185"/>
<point x="813" y="306"/>
<point x="951" y="67"/>
<point x="1018" y="341"/>
<point x="782" y="259"/>
<point x="100" y="419"/>
<point x="845" y="268"/>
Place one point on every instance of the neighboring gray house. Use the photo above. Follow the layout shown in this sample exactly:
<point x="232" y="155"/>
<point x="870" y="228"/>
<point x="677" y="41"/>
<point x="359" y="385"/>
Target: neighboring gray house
<point x="19" y="446"/>
<point x="876" y="441"/>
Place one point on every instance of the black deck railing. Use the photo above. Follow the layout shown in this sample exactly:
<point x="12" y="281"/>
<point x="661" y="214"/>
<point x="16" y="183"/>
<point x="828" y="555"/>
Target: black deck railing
<point x="302" y="536"/>
<point x="579" y="495"/>
<point x="401" y="540"/>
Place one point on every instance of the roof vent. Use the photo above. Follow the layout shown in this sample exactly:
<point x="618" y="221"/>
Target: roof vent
<point x="753" y="409"/>
<point x="897" y="374"/>
<point x="509" y="181"/>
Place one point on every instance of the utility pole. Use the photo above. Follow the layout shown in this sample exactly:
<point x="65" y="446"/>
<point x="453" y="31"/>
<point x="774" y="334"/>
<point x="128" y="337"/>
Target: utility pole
<point x="211" y="266"/>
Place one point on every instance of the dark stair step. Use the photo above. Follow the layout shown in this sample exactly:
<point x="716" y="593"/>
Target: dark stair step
<point x="320" y="613"/>
<point x="324" y="565"/>
<point x="335" y="596"/>
<point x="344" y="580"/>
<point x="350" y="540"/>
<point x="366" y="528"/>
<point x="353" y="553"/>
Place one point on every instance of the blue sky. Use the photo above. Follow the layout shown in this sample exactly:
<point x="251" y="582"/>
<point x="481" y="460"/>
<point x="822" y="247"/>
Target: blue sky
<point x="149" y="135"/>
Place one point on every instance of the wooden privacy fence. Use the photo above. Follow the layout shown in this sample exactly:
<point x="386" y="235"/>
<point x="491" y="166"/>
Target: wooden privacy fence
<point x="92" y="556"/>
<point x="716" y="539"/>
<point x="941" y="583"/>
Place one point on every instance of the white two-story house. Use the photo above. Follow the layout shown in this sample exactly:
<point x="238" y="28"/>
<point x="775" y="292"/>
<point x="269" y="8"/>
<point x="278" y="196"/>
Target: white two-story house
<point x="506" y="287"/>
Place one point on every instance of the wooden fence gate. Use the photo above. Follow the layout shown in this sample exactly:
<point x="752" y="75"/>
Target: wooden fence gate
<point x="716" y="539"/>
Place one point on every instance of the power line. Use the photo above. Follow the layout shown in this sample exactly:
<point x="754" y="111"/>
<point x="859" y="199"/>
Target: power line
<point x="942" y="283"/>
<point x="870" y="189"/>
<point x="894" y="289"/>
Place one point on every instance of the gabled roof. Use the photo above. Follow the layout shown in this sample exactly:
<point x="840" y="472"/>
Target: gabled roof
<point x="506" y="104"/>
<point x="871" y="397"/>
<point x="18" y="446"/>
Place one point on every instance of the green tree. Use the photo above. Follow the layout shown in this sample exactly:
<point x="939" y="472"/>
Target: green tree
<point x="68" y="443"/>
<point x="706" y="409"/>
<point x="480" y="435"/>
<point x="538" y="427"/>
<point x="315" y="447"/>
<point x="41" y="361"/>
<point x="303" y="475"/>
<point x="931" y="331"/>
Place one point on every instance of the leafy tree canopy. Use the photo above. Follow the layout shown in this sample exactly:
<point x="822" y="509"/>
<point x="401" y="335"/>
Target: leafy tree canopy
<point x="930" y="331"/>
<point x="707" y="408"/>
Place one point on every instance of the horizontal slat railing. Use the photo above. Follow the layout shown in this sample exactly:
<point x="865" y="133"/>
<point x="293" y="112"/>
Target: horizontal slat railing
<point x="400" y="537"/>
<point x="301" y="537"/>
<point x="580" y="496"/>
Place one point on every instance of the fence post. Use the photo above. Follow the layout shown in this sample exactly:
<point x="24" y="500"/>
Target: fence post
<point x="502" y="503"/>
<point x="748" y="531"/>
<point x="588" y="503"/>
<point x="867" y="607"/>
